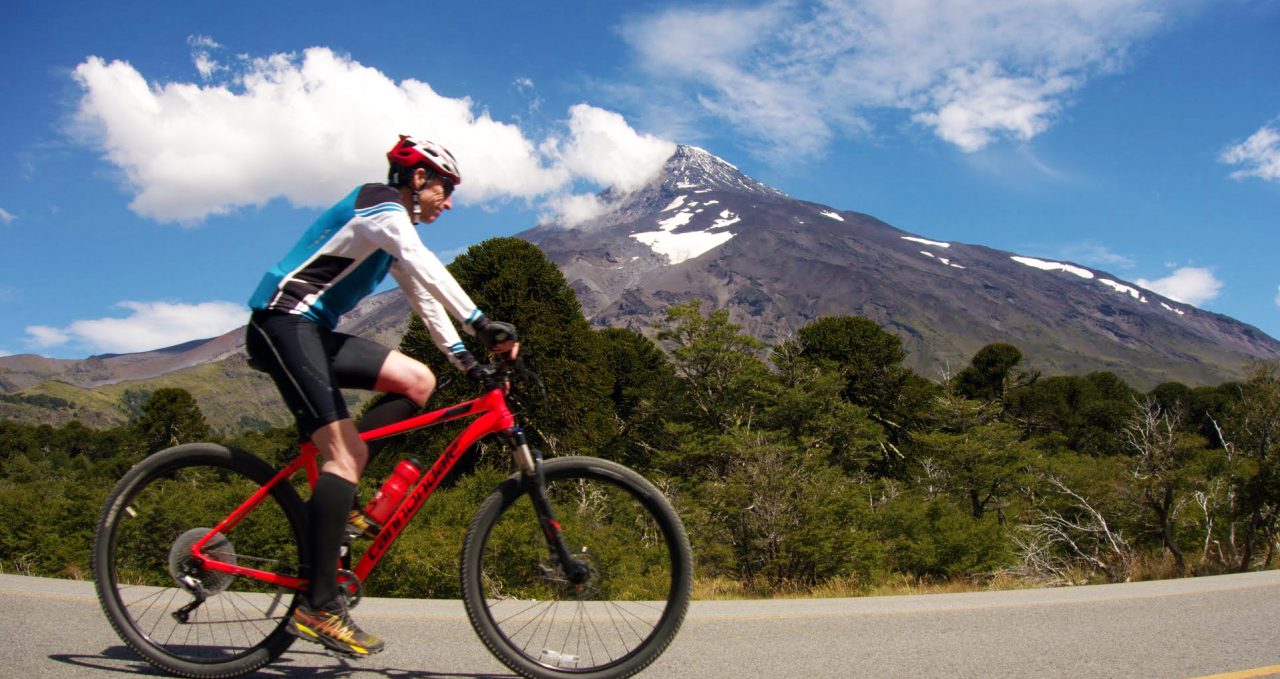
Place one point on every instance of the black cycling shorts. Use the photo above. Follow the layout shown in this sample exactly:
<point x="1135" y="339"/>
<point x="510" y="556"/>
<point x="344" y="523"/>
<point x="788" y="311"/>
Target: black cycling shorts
<point x="310" y="364"/>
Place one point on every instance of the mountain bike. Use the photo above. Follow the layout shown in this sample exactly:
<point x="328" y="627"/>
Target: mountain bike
<point x="572" y="567"/>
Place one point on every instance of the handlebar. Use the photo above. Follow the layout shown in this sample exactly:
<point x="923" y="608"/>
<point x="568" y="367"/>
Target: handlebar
<point x="490" y="376"/>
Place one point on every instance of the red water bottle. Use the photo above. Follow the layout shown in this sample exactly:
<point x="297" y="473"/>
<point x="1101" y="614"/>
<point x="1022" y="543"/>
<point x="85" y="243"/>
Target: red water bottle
<point x="392" y="491"/>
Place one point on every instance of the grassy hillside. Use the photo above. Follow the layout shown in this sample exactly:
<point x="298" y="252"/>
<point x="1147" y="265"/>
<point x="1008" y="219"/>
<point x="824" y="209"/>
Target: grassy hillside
<point x="232" y="396"/>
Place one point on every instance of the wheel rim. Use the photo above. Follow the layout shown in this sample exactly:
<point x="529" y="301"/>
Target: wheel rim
<point x="595" y="624"/>
<point x="152" y="576"/>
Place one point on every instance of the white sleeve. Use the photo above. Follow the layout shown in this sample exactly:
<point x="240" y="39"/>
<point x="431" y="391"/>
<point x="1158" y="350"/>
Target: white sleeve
<point x="431" y="289"/>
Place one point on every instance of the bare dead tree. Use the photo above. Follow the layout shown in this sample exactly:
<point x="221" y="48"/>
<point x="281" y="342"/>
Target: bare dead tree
<point x="1083" y="535"/>
<point x="1158" y="467"/>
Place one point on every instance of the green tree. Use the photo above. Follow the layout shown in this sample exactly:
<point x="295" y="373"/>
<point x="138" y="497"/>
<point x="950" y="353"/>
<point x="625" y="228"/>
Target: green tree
<point x="870" y="359"/>
<point x="804" y="401"/>
<point x="1250" y="434"/>
<point x="718" y="365"/>
<point x="974" y="456"/>
<point x="170" y="417"/>
<point x="782" y="515"/>
<point x="990" y="373"/>
<point x="1090" y="411"/>
<point x="933" y="538"/>
<point x="644" y="395"/>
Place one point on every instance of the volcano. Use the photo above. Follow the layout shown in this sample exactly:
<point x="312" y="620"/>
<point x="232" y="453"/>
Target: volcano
<point x="701" y="229"/>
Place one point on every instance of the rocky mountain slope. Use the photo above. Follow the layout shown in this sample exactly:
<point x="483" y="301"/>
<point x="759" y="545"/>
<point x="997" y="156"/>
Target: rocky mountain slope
<point x="701" y="229"/>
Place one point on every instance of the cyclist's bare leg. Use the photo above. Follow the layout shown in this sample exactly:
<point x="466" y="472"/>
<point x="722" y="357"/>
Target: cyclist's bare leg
<point x="344" y="454"/>
<point x="407" y="384"/>
<point x="401" y="374"/>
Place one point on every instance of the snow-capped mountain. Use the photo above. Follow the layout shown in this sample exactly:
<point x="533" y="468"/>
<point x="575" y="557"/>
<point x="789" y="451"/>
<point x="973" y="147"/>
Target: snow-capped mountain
<point x="702" y="229"/>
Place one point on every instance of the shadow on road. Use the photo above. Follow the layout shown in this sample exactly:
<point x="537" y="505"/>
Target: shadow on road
<point x="121" y="659"/>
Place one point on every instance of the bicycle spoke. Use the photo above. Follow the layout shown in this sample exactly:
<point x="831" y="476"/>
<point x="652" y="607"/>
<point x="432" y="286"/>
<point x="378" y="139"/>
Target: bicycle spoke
<point x="611" y="617"/>
<point x="159" y="596"/>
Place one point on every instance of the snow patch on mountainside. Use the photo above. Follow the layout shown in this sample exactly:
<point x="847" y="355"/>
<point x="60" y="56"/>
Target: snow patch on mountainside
<point x="944" y="260"/>
<point x="675" y="203"/>
<point x="681" y="219"/>
<point x="925" y="241"/>
<point x="1088" y="275"/>
<point x="1053" y="266"/>
<point x="1124" y="289"/>
<point x="681" y="247"/>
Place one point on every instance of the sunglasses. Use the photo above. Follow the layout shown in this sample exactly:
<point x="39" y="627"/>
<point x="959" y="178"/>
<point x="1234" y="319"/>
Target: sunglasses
<point x="448" y="185"/>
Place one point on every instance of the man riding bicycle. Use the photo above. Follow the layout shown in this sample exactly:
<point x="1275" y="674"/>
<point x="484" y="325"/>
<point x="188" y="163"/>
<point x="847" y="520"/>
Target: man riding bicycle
<point x="291" y="335"/>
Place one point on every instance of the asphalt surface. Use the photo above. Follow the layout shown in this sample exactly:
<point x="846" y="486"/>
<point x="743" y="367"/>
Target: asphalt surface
<point x="1191" y="628"/>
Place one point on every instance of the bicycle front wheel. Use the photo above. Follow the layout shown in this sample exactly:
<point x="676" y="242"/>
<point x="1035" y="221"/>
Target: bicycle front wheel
<point x="543" y="625"/>
<point x="179" y="617"/>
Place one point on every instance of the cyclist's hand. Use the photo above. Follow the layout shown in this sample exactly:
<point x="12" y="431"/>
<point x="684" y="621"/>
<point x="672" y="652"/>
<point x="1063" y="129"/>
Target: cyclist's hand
<point x="482" y="376"/>
<point x="497" y="337"/>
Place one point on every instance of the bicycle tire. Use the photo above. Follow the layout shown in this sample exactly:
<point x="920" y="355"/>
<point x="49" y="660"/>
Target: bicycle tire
<point x="143" y="535"/>
<point x="623" y="618"/>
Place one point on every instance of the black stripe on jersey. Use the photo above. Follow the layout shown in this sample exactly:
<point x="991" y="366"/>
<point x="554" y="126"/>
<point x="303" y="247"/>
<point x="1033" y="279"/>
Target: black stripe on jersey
<point x="312" y="278"/>
<point x="374" y="194"/>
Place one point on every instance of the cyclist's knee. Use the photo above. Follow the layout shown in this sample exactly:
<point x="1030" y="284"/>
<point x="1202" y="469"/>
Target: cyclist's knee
<point x="403" y="375"/>
<point x="424" y="385"/>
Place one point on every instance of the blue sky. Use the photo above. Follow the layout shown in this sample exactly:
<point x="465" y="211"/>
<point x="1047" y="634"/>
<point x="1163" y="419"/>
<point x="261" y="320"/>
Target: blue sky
<point x="157" y="158"/>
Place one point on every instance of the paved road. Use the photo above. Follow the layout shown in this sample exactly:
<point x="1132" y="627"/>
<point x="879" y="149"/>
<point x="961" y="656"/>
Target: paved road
<point x="1172" y="629"/>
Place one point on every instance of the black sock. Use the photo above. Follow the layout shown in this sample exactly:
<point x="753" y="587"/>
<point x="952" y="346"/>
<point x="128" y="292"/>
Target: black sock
<point x="330" y="501"/>
<point x="388" y="409"/>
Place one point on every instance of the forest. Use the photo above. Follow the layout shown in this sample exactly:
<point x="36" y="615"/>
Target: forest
<point x="819" y="465"/>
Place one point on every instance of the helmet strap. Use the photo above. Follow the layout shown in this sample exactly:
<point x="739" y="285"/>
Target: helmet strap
<point x="402" y="177"/>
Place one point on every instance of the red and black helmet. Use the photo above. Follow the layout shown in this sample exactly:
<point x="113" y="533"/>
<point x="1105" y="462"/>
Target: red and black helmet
<point x="409" y="154"/>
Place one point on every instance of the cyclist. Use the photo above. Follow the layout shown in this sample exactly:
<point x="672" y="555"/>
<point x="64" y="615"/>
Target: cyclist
<point x="291" y="335"/>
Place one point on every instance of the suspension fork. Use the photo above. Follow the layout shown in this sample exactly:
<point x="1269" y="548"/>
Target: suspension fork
<point x="530" y="464"/>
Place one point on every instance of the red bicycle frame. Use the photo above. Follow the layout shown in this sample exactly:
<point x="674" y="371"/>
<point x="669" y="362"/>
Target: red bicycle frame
<point x="494" y="417"/>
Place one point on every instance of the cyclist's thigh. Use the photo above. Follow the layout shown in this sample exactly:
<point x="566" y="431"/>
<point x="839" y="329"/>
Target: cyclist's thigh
<point x="298" y="356"/>
<point x="401" y="374"/>
<point x="356" y="361"/>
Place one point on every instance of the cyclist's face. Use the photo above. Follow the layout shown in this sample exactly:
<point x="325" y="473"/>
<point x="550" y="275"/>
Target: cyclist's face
<point x="434" y="199"/>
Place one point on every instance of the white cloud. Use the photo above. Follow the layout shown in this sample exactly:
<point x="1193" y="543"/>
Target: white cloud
<point x="794" y="75"/>
<point x="43" y="336"/>
<point x="1259" y="155"/>
<point x="149" y="325"/>
<point x="6" y="216"/>
<point x="1189" y="285"/>
<point x="1277" y="296"/>
<point x="572" y="210"/>
<point x="308" y="128"/>
<point x="202" y="48"/>
<point x="603" y="149"/>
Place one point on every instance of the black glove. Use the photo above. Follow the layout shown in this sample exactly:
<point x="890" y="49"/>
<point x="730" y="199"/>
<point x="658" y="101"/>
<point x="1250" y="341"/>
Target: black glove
<point x="482" y="377"/>
<point x="493" y="333"/>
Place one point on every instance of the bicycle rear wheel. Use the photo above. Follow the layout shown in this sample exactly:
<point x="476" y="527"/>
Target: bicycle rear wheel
<point x="149" y="586"/>
<point x="629" y="609"/>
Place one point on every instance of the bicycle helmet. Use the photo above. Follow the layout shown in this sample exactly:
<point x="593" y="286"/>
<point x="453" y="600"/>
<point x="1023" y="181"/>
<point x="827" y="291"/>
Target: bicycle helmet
<point x="409" y="154"/>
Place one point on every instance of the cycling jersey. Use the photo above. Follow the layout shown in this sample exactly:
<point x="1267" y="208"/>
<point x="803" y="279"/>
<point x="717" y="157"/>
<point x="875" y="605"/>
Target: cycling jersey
<point x="351" y="248"/>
